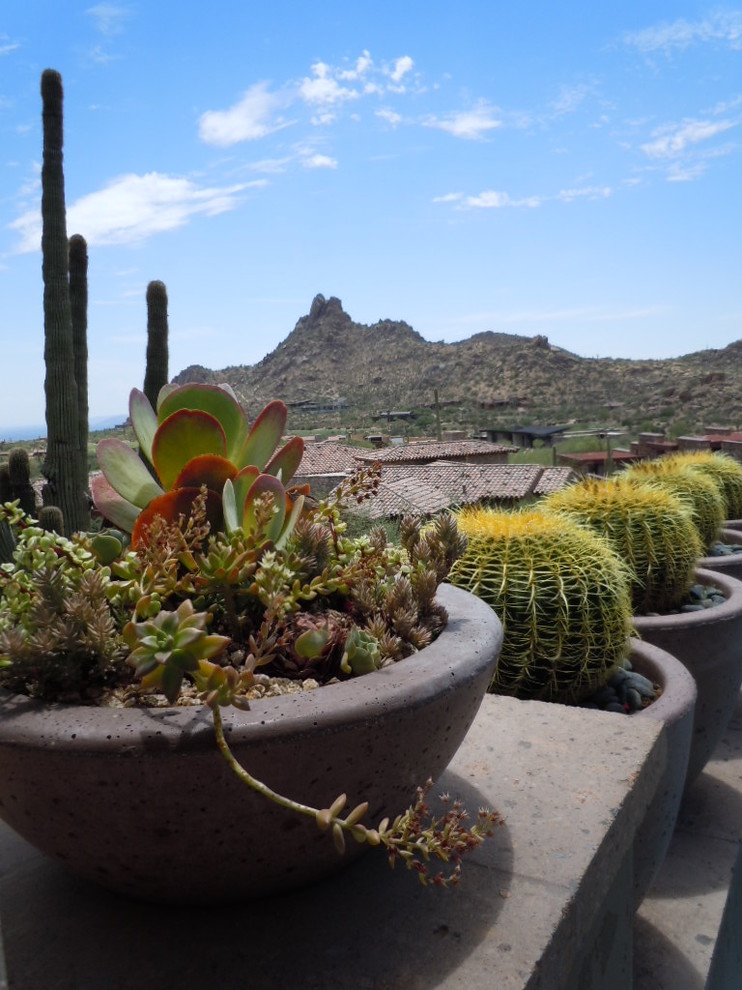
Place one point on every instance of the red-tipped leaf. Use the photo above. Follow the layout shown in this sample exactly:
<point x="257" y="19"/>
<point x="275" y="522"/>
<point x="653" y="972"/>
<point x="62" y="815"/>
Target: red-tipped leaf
<point x="217" y="402"/>
<point x="286" y="460"/>
<point x="265" y="435"/>
<point x="206" y="469"/>
<point x="185" y="435"/>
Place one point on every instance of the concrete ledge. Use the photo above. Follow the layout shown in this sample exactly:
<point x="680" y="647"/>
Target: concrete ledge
<point x="546" y="904"/>
<point x="687" y="931"/>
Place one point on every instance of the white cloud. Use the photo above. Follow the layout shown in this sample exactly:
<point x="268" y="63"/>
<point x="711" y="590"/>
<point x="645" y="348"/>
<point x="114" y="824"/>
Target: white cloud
<point x="591" y="192"/>
<point x="108" y="17"/>
<point x="324" y="118"/>
<point x="271" y="166"/>
<point x="468" y="124"/>
<point x="493" y="200"/>
<point x="363" y="64"/>
<point x="390" y="116"/>
<point x="569" y="98"/>
<point x="679" y="172"/>
<point x="320" y="161"/>
<point x="134" y="207"/>
<point x="680" y="34"/>
<point x="401" y="67"/>
<point x="323" y="88"/>
<point x="7" y="46"/>
<point x="673" y="140"/>
<point x="249" y="120"/>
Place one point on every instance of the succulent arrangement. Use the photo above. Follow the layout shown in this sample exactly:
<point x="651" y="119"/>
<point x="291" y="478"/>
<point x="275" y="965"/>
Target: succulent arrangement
<point x="561" y="594"/>
<point x="218" y="584"/>
<point x="650" y="529"/>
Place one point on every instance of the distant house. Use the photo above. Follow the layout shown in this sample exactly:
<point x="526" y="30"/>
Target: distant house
<point x="524" y="436"/>
<point x="324" y="465"/>
<point x="394" y="414"/>
<point x="597" y="461"/>
<point x="652" y="445"/>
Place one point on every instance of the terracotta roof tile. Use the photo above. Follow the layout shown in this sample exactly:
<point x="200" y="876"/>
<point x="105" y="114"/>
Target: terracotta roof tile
<point x="432" y="450"/>
<point x="554" y="478"/>
<point x="428" y="488"/>
<point x="327" y="457"/>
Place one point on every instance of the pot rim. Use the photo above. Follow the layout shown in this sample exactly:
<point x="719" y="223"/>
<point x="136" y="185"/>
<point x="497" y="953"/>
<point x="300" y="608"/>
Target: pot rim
<point x="730" y="609"/>
<point x="412" y="682"/>
<point x="679" y="690"/>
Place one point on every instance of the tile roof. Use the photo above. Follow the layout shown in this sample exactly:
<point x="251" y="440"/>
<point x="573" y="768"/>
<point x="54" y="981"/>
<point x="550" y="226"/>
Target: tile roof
<point x="327" y="457"/>
<point x="554" y="478"/>
<point x="402" y="495"/>
<point x="428" y="488"/>
<point x="433" y="450"/>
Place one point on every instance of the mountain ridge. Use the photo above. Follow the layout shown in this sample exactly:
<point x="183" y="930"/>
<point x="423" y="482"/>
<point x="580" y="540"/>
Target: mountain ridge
<point x="329" y="358"/>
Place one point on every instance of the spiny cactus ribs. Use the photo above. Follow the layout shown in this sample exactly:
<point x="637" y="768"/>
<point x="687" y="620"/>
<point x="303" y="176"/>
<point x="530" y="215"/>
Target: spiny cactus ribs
<point x="561" y="594"/>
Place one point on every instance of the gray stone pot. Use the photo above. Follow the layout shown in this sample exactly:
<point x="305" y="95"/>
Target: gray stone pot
<point x="709" y="644"/>
<point x="730" y="565"/>
<point x="675" y="708"/>
<point x="141" y="801"/>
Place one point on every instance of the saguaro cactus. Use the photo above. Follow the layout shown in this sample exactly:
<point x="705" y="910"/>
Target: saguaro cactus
<point x="78" y="255"/>
<point x="19" y="477"/>
<point x="156" y="373"/>
<point x="66" y="485"/>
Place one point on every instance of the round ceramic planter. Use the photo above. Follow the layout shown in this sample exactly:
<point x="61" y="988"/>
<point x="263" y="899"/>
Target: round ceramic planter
<point x="729" y="564"/>
<point x="709" y="644"/>
<point x="141" y="801"/>
<point x="675" y="708"/>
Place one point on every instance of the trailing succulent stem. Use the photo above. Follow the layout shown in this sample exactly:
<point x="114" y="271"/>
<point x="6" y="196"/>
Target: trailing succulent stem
<point x="409" y="838"/>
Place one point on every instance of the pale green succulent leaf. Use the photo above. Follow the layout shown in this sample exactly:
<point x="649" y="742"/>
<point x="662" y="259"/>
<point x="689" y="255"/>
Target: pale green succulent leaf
<point x="126" y="473"/>
<point x="111" y="505"/>
<point x="229" y="507"/>
<point x="143" y="420"/>
<point x="290" y="523"/>
<point x="265" y="484"/>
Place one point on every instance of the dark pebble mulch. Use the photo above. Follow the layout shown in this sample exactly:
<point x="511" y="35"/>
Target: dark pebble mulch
<point x="627" y="691"/>
<point x="724" y="550"/>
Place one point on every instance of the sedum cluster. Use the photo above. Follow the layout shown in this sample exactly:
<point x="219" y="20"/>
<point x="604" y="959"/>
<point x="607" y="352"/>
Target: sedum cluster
<point x="80" y="615"/>
<point x="59" y="635"/>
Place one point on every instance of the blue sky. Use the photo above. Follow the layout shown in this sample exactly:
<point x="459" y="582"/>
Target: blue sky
<point x="567" y="169"/>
